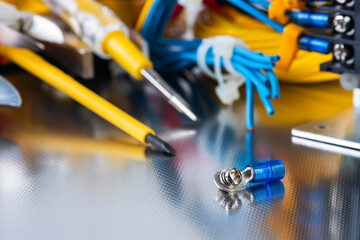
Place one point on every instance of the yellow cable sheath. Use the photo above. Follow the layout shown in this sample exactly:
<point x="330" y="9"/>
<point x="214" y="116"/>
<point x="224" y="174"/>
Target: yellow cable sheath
<point x="126" y="53"/>
<point x="143" y="15"/>
<point x="306" y="66"/>
<point x="37" y="66"/>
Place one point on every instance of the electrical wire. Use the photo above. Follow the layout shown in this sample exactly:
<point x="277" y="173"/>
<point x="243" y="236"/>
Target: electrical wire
<point x="169" y="55"/>
<point x="251" y="10"/>
<point x="304" y="69"/>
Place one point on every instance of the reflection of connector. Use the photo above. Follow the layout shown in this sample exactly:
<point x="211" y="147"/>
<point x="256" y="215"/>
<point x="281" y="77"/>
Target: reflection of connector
<point x="232" y="202"/>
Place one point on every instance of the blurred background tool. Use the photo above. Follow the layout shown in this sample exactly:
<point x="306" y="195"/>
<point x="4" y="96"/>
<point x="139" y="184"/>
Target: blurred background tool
<point x="61" y="44"/>
<point x="36" y="65"/>
<point x="9" y="95"/>
<point x="104" y="32"/>
<point x="63" y="82"/>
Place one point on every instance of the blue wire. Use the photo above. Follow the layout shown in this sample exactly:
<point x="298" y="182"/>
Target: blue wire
<point x="262" y="3"/>
<point x="275" y="89"/>
<point x="249" y="88"/>
<point x="256" y="14"/>
<point x="170" y="55"/>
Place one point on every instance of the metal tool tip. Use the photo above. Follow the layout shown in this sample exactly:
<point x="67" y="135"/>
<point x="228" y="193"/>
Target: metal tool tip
<point x="160" y="144"/>
<point x="183" y="107"/>
<point x="158" y="155"/>
<point x="168" y="92"/>
<point x="190" y="114"/>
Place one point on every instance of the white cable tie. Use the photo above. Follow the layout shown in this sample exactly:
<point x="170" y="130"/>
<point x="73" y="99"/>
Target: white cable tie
<point x="223" y="49"/>
<point x="202" y="51"/>
<point x="190" y="3"/>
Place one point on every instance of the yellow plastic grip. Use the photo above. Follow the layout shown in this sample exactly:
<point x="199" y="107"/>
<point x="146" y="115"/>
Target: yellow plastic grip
<point x="34" y="6"/>
<point x="34" y="64"/>
<point x="294" y="4"/>
<point x="289" y="46"/>
<point x="278" y="8"/>
<point x="277" y="12"/>
<point x="126" y="53"/>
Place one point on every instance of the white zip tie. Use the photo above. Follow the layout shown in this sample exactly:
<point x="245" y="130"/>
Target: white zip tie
<point x="223" y="49"/>
<point x="190" y="3"/>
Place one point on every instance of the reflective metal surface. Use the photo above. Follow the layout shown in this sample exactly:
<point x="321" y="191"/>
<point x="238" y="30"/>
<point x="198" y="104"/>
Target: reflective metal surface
<point x="9" y="95"/>
<point x="342" y="129"/>
<point x="67" y="174"/>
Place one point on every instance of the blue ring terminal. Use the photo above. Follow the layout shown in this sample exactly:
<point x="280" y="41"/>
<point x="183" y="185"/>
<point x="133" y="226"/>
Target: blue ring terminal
<point x="268" y="171"/>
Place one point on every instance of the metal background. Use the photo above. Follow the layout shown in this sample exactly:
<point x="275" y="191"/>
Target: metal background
<point x="67" y="174"/>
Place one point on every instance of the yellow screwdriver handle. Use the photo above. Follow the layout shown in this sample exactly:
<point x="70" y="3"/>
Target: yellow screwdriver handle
<point x="34" y="64"/>
<point x="126" y="53"/>
<point x="103" y="31"/>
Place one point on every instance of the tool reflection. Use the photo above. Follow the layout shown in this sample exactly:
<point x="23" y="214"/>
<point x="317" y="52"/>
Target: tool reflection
<point x="70" y="145"/>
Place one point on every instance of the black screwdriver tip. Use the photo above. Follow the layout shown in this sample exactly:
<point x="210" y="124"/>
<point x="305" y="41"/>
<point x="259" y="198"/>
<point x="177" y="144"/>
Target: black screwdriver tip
<point x="158" y="155"/>
<point x="159" y="144"/>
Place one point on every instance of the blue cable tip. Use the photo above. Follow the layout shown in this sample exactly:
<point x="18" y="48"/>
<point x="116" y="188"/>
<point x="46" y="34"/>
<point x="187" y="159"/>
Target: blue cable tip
<point x="277" y="57"/>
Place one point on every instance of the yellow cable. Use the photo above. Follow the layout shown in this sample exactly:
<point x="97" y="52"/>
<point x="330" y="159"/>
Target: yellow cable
<point x="143" y="14"/>
<point x="37" y="66"/>
<point x="259" y="37"/>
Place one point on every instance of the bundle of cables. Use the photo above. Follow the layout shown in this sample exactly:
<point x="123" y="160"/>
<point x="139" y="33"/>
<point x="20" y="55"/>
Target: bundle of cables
<point x="223" y="19"/>
<point x="212" y="56"/>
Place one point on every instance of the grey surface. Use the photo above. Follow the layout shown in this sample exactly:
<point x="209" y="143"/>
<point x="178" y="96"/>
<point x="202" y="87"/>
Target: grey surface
<point x="62" y="175"/>
<point x="341" y="129"/>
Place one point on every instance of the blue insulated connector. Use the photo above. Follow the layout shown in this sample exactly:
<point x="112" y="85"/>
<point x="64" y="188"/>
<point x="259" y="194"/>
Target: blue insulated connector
<point x="268" y="171"/>
<point x="310" y="19"/>
<point x="311" y="43"/>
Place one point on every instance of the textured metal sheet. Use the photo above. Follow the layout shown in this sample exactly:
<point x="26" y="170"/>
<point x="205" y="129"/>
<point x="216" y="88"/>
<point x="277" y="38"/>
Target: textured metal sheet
<point x="66" y="174"/>
<point x="341" y="129"/>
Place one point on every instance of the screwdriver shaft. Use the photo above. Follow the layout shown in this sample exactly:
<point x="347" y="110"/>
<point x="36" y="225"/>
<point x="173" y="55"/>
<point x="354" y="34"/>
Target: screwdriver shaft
<point x="165" y="90"/>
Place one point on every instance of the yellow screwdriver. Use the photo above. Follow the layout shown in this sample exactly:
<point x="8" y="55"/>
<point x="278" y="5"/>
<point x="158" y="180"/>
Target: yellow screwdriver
<point x="40" y="68"/>
<point x="108" y="36"/>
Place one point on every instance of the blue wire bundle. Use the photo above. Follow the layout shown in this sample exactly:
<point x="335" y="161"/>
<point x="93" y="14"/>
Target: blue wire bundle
<point x="251" y="10"/>
<point x="170" y="55"/>
<point x="306" y="41"/>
